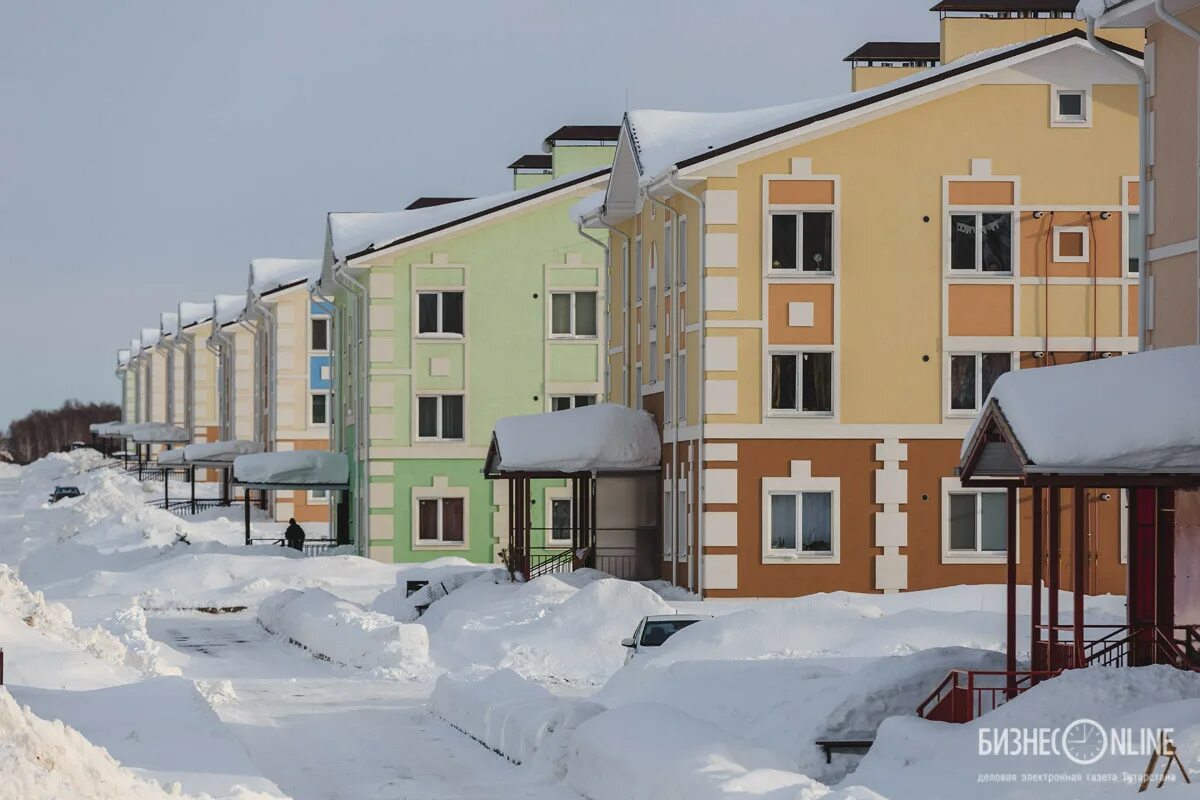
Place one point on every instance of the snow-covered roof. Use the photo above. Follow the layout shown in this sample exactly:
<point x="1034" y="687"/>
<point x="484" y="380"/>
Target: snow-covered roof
<point x="667" y="139"/>
<point x="270" y="274"/>
<point x="588" y="206"/>
<point x="168" y="322"/>
<point x="1135" y="413"/>
<point x="153" y="432"/>
<point x="228" y="308"/>
<point x="100" y="428"/>
<point x="150" y="337"/>
<point x="357" y="233"/>
<point x="193" y="314"/>
<point x="293" y="468"/>
<point x="174" y="456"/>
<point x="123" y="357"/>
<point x="600" y="438"/>
<point x="226" y="450"/>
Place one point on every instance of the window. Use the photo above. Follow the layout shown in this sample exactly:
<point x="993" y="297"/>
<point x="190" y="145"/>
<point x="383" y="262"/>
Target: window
<point x="668" y="258"/>
<point x="319" y="341"/>
<point x="1135" y="243"/>
<point x="802" y="382"/>
<point x="637" y="391"/>
<point x="802" y="241"/>
<point x="560" y="522"/>
<point x="1071" y="107"/>
<point x="668" y="394"/>
<point x="683" y="384"/>
<point x="653" y="362"/>
<point x="564" y="402"/>
<point x="1071" y="245"/>
<point x="318" y="408"/>
<point x="573" y="314"/>
<point x="802" y="522"/>
<point x="440" y="519"/>
<point x="316" y="496"/>
<point x="978" y="523"/>
<point x="972" y="376"/>
<point x="625" y="273"/>
<point x="981" y="242"/>
<point x="637" y="262"/>
<point x="653" y="286"/>
<point x="683" y="252"/>
<point x="440" y="417"/>
<point x="440" y="313"/>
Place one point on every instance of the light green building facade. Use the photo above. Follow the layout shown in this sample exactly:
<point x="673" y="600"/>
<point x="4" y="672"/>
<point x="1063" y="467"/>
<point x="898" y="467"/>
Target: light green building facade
<point x="473" y="311"/>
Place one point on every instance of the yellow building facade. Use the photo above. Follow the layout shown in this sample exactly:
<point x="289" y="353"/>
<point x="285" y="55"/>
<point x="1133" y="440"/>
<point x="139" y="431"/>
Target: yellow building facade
<point x="814" y="300"/>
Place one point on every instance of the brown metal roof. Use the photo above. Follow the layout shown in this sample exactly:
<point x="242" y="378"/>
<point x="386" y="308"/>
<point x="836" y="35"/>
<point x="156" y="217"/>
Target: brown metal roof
<point x="586" y="133"/>
<point x="531" y="161"/>
<point x="897" y="51"/>
<point x="427" y="202"/>
<point x="1006" y="5"/>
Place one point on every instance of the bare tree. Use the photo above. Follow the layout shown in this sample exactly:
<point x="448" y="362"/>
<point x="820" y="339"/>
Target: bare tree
<point x="41" y="432"/>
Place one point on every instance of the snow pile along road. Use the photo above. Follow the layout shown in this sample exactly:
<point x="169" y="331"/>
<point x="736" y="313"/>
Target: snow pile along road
<point x="340" y="631"/>
<point x="42" y="760"/>
<point x="516" y="718"/>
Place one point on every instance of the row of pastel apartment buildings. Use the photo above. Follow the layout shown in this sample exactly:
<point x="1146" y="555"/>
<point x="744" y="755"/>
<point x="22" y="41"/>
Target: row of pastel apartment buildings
<point x="737" y="351"/>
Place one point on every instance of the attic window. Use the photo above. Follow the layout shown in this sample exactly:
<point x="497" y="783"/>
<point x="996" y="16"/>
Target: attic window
<point x="1071" y="107"/>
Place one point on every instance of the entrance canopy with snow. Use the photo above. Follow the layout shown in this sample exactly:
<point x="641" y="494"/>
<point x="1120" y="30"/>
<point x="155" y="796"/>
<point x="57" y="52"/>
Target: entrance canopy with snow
<point x="161" y="433"/>
<point x="294" y="469"/>
<point x="605" y="439"/>
<point x="105" y="430"/>
<point x="1127" y="421"/>
<point x="218" y="454"/>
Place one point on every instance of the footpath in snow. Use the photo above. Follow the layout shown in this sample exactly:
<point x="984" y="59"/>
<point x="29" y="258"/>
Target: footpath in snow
<point x="152" y="656"/>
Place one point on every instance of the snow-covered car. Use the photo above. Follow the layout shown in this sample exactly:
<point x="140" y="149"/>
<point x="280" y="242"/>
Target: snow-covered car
<point x="61" y="492"/>
<point x="653" y="631"/>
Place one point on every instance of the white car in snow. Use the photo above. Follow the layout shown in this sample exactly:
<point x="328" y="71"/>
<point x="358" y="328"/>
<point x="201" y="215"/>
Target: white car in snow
<point x="653" y="631"/>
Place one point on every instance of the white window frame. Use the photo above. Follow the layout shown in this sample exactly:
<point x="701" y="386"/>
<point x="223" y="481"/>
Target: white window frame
<point x="574" y="295"/>
<point x="328" y="408"/>
<point x="979" y="396"/>
<point x="1129" y="244"/>
<point x="668" y="391"/>
<point x="978" y="271"/>
<point x="417" y="417"/>
<point x="1059" y="258"/>
<point x="799" y="212"/>
<point x="668" y="259"/>
<point x="799" y="412"/>
<point x="441" y="490"/>
<point x="313" y="499"/>
<point x="556" y="494"/>
<point x="681" y="387"/>
<point x="653" y="362"/>
<point x="572" y="400"/>
<point x="328" y="320"/>
<point x="952" y="486"/>
<point x="441" y="314"/>
<point x="800" y="482"/>
<point x="652" y="290"/>
<point x="638" y="387"/>
<point x="1059" y="120"/>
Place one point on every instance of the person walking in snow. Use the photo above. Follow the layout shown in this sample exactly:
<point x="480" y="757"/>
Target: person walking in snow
<point x="294" y="535"/>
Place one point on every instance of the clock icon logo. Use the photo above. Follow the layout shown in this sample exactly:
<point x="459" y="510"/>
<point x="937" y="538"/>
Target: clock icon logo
<point x="1085" y="741"/>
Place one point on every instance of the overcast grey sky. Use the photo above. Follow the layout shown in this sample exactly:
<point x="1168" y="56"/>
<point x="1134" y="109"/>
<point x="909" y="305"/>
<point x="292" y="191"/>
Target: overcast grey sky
<point x="149" y="149"/>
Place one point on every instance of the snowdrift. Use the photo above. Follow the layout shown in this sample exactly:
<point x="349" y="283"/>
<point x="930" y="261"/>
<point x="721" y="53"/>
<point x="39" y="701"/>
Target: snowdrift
<point x="445" y="575"/>
<point x="547" y="630"/>
<point x="43" y="760"/>
<point x="516" y="718"/>
<point x="338" y="630"/>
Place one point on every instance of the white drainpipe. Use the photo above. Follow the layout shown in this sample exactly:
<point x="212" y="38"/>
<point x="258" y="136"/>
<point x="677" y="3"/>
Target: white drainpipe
<point x="185" y="344"/>
<point x="270" y="356"/>
<point x="607" y="294"/>
<point x="1144" y="181"/>
<point x="331" y="406"/>
<point x="627" y="307"/>
<point x="698" y="503"/>
<point x="256" y="419"/>
<point x="1194" y="35"/>
<point x="359" y="366"/>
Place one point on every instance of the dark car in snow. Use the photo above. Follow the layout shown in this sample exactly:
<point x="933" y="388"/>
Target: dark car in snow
<point x="61" y="492"/>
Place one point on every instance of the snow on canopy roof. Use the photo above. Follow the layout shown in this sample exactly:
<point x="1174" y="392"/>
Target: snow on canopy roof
<point x="600" y="438"/>
<point x="225" y="450"/>
<point x="293" y="468"/>
<point x="228" y="308"/>
<point x="150" y="337"/>
<point x="151" y="432"/>
<point x="357" y="233"/>
<point x="1130" y="413"/>
<point x="270" y="274"/>
<point x="168" y="322"/>
<point x="666" y="139"/>
<point x="122" y="358"/>
<point x="193" y="314"/>
<point x="101" y="427"/>
<point x="171" y="456"/>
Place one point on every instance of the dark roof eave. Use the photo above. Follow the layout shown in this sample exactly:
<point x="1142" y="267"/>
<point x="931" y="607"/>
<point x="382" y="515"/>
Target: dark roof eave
<point x="549" y="188"/>
<point x="897" y="92"/>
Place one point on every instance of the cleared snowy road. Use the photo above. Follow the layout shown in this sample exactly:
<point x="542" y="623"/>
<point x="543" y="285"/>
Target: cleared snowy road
<point x="323" y="731"/>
